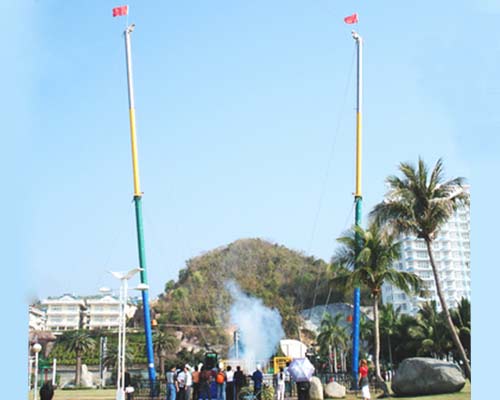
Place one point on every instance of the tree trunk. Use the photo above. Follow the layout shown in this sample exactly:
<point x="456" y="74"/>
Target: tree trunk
<point x="335" y="358"/>
<point x="78" y="372"/>
<point x="390" y="350"/>
<point x="162" y="365"/>
<point x="377" y="338"/>
<point x="444" y="306"/>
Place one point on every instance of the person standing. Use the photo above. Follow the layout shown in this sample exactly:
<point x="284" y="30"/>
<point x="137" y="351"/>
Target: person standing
<point x="196" y="383"/>
<point x="280" y="385"/>
<point x="189" y="382"/>
<point x="257" y="378"/>
<point x="364" y="383"/>
<point x="220" y="379"/>
<point x="47" y="391"/>
<point x="205" y="378"/>
<point x="129" y="389"/>
<point x="229" y="383"/>
<point x="303" y="390"/>
<point x="288" y="381"/>
<point x="172" y="385"/>
<point x="181" y="380"/>
<point x="239" y="382"/>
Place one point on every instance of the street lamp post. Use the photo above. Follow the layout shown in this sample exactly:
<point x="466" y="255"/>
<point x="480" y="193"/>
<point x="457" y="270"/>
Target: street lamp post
<point x="103" y="341"/>
<point x="120" y="376"/>
<point x="37" y="347"/>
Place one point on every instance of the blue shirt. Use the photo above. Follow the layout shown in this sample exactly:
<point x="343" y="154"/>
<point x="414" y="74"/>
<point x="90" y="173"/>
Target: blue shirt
<point x="257" y="379"/>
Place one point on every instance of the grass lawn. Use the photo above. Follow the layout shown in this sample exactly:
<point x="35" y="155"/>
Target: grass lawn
<point x="91" y="394"/>
<point x="109" y="394"/>
<point x="464" y="394"/>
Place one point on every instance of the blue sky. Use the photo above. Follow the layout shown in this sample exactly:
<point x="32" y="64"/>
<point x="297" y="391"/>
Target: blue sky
<point x="245" y="121"/>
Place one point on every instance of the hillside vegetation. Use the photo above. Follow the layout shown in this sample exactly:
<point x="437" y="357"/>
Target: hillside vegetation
<point x="284" y="279"/>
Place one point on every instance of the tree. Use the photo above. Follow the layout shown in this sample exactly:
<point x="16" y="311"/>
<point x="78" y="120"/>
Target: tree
<point x="164" y="343"/>
<point x="404" y="345"/>
<point x="388" y="323"/>
<point x="366" y="329"/>
<point x="370" y="255"/>
<point x="461" y="319"/>
<point x="430" y="332"/>
<point x="111" y="359"/>
<point x="332" y="335"/>
<point x="420" y="204"/>
<point x="79" y="342"/>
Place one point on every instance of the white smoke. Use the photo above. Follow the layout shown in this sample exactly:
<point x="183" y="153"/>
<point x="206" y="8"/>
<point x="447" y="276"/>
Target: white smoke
<point x="259" y="327"/>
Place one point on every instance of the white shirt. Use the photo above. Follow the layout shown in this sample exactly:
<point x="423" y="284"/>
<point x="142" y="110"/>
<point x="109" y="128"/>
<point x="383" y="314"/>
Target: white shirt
<point x="181" y="378"/>
<point x="189" y="379"/>
<point x="229" y="376"/>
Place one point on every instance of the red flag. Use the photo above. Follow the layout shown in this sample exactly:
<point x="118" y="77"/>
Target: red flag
<point x="119" y="11"/>
<point x="351" y="19"/>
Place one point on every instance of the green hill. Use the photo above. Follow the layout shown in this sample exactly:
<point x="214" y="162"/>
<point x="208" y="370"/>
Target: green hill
<point x="284" y="279"/>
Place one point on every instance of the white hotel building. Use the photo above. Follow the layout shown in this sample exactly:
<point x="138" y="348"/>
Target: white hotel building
<point x="64" y="313"/>
<point x="451" y="250"/>
<point x="69" y="312"/>
<point x="103" y="312"/>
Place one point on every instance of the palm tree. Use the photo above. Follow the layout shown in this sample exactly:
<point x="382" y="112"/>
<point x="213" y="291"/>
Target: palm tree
<point x="366" y="329"/>
<point x="420" y="204"/>
<point x="404" y="344"/>
<point x="388" y="322"/>
<point x="430" y="332"/>
<point x="79" y="342"/>
<point x="332" y="335"/>
<point x="111" y="359"/>
<point x="164" y="343"/>
<point x="371" y="254"/>
<point x="461" y="319"/>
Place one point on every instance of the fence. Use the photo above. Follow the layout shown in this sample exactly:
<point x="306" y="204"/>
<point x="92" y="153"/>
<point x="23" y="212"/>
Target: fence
<point x="143" y="391"/>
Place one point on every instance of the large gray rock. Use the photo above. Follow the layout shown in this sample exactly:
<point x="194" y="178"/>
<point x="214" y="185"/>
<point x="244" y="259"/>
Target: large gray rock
<point x="424" y="376"/>
<point x="334" y="390"/>
<point x="316" y="389"/>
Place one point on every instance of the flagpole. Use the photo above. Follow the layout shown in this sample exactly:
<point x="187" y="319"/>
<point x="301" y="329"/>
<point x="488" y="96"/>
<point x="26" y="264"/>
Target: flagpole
<point x="138" y="214"/>
<point x="358" y="201"/>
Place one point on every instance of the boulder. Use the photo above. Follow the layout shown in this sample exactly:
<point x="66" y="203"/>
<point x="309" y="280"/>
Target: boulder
<point x="335" y="390"/>
<point x="424" y="376"/>
<point x="316" y="389"/>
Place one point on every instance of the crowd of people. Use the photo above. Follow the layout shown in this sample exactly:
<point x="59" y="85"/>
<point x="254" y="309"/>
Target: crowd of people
<point x="188" y="383"/>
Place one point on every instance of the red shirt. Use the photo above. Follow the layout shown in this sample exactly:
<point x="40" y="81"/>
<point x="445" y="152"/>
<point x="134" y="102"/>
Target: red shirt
<point x="363" y="371"/>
